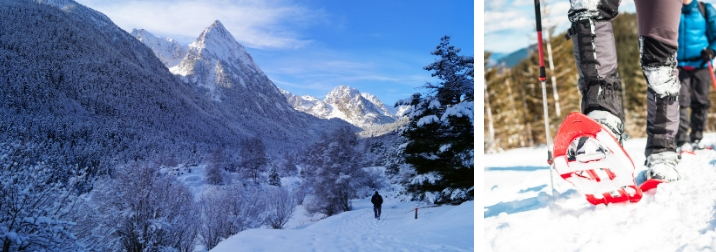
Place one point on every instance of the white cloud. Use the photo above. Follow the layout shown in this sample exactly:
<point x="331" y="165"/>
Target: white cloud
<point x="494" y="5"/>
<point x="254" y="23"/>
<point x="513" y="26"/>
<point x="512" y="20"/>
<point x="628" y="6"/>
<point x="332" y="71"/>
<point x="519" y="3"/>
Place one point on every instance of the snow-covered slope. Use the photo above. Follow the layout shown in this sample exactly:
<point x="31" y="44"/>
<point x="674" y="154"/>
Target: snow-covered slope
<point x="78" y="91"/>
<point x="169" y="51"/>
<point x="308" y="104"/>
<point x="221" y="69"/>
<point x="387" y="110"/>
<point x="360" y="109"/>
<point x="445" y="228"/>
<point x="401" y="110"/>
<point x="520" y="214"/>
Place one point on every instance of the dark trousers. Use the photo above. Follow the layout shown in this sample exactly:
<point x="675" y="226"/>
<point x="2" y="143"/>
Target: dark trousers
<point x="694" y="94"/>
<point x="376" y="210"/>
<point x="596" y="58"/>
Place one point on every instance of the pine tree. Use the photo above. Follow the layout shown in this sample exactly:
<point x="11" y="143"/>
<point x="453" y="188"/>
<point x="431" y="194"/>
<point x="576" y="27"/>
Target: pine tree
<point x="273" y="178"/>
<point x="455" y="73"/>
<point x="441" y="132"/>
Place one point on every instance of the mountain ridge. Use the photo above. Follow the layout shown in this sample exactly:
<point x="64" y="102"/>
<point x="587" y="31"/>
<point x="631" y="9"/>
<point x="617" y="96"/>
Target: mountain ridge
<point x="360" y="109"/>
<point x="219" y="68"/>
<point x="168" y="50"/>
<point x="218" y="64"/>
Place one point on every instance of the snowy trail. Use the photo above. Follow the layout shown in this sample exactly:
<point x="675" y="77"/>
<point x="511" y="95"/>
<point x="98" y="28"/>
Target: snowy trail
<point x="445" y="228"/>
<point x="675" y="217"/>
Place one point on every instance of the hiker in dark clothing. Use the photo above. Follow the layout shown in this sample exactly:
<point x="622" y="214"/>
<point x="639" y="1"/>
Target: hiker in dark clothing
<point x="377" y="200"/>
<point x="697" y="42"/>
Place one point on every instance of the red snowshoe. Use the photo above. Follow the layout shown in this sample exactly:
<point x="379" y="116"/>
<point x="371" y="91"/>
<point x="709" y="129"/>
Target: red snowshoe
<point x="588" y="155"/>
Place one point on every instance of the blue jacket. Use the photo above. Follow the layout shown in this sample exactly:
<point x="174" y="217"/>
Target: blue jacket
<point x="694" y="35"/>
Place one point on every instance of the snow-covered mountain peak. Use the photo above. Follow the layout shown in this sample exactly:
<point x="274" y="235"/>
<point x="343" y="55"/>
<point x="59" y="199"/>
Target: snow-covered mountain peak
<point x="169" y="51"/>
<point x="217" y="42"/>
<point x="216" y="62"/>
<point x="341" y="93"/>
<point x="360" y="109"/>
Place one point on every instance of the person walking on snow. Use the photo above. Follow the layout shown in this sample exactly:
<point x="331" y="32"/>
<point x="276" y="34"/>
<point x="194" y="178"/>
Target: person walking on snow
<point x="377" y="201"/>
<point x="596" y="58"/>
<point x="697" y="40"/>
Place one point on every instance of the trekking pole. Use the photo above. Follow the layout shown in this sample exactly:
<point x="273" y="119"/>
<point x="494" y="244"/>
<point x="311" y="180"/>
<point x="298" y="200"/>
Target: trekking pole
<point x="543" y="79"/>
<point x="713" y="78"/>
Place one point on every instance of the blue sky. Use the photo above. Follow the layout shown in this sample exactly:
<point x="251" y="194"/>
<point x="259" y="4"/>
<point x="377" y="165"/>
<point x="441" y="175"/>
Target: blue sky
<point x="309" y="47"/>
<point x="510" y="24"/>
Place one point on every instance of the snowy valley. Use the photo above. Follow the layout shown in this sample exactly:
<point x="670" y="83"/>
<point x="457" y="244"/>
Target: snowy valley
<point x="437" y="228"/>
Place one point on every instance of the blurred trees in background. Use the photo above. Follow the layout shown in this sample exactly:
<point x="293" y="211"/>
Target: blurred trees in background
<point x="515" y="96"/>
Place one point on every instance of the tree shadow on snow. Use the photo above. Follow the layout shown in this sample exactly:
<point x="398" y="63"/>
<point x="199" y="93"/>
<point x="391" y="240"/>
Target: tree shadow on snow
<point x="711" y="226"/>
<point x="524" y="205"/>
<point x="533" y="189"/>
<point x="511" y="207"/>
<point x="517" y="168"/>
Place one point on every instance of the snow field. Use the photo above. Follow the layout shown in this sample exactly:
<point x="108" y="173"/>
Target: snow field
<point x="445" y="228"/>
<point x="521" y="215"/>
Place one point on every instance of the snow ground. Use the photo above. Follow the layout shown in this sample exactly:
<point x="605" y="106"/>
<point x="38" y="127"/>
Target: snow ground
<point x="521" y="215"/>
<point x="445" y="228"/>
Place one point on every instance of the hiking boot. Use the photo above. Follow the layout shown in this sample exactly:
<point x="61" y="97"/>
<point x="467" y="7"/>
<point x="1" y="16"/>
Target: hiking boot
<point x="662" y="166"/>
<point x="611" y="122"/>
<point x="698" y="145"/>
<point x="585" y="149"/>
<point x="685" y="148"/>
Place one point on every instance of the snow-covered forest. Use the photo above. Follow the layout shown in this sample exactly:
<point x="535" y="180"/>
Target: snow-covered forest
<point x="103" y="147"/>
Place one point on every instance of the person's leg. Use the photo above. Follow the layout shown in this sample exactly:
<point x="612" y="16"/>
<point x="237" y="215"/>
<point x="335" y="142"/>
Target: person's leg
<point x="375" y="211"/>
<point x="596" y="57"/>
<point x="700" y="103"/>
<point x="380" y="210"/>
<point x="658" y="33"/>
<point x="682" y="136"/>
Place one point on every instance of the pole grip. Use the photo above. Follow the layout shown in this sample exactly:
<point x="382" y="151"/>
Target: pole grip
<point x="538" y="16"/>
<point x="538" y="19"/>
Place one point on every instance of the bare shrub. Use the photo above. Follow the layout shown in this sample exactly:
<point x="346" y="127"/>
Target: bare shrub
<point x="281" y="205"/>
<point x="141" y="209"/>
<point x="228" y="210"/>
